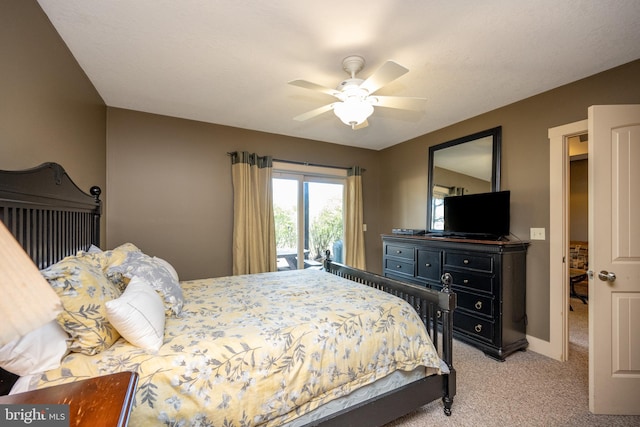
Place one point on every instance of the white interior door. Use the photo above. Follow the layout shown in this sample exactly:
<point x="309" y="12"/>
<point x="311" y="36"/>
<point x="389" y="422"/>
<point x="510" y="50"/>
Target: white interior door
<point x="614" y="259"/>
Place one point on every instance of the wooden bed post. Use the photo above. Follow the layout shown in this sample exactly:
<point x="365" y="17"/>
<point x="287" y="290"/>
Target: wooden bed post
<point x="447" y="347"/>
<point x="327" y="260"/>
<point x="95" y="192"/>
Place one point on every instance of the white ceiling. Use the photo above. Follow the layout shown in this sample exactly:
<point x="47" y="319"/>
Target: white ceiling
<point x="229" y="61"/>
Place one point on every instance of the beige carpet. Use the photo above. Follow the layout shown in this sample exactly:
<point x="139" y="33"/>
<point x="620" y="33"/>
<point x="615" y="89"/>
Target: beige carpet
<point x="527" y="390"/>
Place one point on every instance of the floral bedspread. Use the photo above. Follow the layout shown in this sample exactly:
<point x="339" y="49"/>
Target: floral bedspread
<point x="262" y="349"/>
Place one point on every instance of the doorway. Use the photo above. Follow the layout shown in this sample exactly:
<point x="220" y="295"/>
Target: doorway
<point x="559" y="237"/>
<point x="578" y="248"/>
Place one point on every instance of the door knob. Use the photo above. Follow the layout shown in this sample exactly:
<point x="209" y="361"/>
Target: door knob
<point x="607" y="276"/>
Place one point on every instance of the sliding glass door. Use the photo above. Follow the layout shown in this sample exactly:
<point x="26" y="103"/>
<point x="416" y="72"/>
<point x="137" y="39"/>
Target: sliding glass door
<point x="308" y="213"/>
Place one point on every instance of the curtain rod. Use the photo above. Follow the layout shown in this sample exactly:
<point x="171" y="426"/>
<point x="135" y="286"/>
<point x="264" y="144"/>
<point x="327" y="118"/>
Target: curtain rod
<point x="311" y="164"/>
<point x="305" y="163"/>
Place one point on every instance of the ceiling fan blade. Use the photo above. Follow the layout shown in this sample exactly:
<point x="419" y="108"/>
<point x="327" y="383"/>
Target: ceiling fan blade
<point x="400" y="102"/>
<point x="316" y="112"/>
<point x="387" y="73"/>
<point x="361" y="125"/>
<point x="314" y="86"/>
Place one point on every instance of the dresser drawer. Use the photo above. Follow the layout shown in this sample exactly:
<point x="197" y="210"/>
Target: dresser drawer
<point x="470" y="261"/>
<point x="399" y="267"/>
<point x="474" y="303"/>
<point x="477" y="282"/>
<point x="429" y="264"/>
<point x="399" y="251"/>
<point x="473" y="326"/>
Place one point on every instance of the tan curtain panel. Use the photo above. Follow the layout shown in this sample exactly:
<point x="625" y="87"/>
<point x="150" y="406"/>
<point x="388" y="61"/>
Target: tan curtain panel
<point x="456" y="191"/>
<point x="354" y="254"/>
<point x="254" y="236"/>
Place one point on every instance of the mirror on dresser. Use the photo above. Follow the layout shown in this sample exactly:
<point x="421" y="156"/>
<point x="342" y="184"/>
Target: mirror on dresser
<point x="467" y="165"/>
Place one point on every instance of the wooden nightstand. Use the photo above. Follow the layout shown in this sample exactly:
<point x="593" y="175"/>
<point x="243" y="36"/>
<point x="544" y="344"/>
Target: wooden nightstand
<point x="96" y="402"/>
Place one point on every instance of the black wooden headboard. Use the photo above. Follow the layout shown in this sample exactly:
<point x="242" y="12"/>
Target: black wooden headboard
<point x="50" y="217"/>
<point x="48" y="214"/>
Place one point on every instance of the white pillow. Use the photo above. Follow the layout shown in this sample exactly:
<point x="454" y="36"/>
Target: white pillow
<point x="38" y="351"/>
<point x="168" y="266"/>
<point x="160" y="278"/>
<point x="138" y="315"/>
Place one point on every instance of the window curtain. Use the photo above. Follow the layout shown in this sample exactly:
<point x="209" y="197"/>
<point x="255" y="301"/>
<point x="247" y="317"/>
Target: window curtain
<point x="254" y="236"/>
<point x="354" y="254"/>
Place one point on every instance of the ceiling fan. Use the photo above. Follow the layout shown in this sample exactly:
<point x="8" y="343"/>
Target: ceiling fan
<point x="355" y="96"/>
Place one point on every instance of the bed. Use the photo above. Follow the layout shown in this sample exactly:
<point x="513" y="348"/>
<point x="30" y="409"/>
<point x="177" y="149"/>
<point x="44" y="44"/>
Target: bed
<point x="267" y="349"/>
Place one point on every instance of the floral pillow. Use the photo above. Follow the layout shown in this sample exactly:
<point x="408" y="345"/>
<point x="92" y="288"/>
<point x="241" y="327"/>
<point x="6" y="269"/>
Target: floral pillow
<point x="168" y="266"/>
<point x="154" y="273"/>
<point x="111" y="258"/>
<point x="84" y="289"/>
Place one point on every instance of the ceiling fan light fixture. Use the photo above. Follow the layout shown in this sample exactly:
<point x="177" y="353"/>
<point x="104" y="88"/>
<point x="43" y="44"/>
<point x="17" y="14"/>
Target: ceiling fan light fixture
<point x="352" y="111"/>
<point x="356" y="100"/>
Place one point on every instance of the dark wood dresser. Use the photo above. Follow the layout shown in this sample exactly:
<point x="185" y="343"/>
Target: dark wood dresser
<point x="489" y="279"/>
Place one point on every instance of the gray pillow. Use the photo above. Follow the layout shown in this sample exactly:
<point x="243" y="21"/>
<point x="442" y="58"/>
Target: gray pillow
<point x="157" y="275"/>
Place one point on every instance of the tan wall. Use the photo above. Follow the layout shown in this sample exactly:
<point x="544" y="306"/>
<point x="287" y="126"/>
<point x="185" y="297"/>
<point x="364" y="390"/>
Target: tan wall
<point x="49" y="110"/>
<point x="525" y="167"/>
<point x="170" y="189"/>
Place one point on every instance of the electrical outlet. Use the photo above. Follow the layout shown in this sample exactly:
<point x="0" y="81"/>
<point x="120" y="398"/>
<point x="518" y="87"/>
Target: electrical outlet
<point x="364" y="227"/>
<point x="537" y="234"/>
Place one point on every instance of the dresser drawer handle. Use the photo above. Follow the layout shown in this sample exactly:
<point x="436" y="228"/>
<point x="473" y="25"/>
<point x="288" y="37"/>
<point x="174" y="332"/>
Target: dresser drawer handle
<point x="478" y="328"/>
<point x="465" y="281"/>
<point x="398" y="266"/>
<point x="466" y="261"/>
<point x="478" y="305"/>
<point x="398" y="252"/>
<point x="427" y="265"/>
<point x="439" y="314"/>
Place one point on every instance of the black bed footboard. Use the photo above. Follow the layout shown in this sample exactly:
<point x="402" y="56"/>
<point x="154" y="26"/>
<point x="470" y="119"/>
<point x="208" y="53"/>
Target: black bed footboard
<point x="434" y="307"/>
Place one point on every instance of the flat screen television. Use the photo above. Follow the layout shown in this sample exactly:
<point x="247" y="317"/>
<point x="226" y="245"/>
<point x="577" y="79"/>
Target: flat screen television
<point x="484" y="215"/>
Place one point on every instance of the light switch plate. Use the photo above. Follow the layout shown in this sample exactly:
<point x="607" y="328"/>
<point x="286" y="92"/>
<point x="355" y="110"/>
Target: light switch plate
<point x="537" y="234"/>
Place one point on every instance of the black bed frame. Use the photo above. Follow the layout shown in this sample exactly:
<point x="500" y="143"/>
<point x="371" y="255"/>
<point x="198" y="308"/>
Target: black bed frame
<point x="52" y="218"/>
